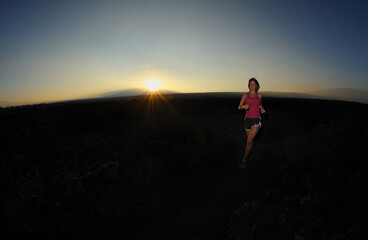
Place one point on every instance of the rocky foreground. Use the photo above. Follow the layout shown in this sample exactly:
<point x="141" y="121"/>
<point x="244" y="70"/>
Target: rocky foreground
<point x="153" y="168"/>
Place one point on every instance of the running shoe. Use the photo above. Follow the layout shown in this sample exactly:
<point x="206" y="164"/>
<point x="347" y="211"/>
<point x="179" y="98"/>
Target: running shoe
<point x="243" y="163"/>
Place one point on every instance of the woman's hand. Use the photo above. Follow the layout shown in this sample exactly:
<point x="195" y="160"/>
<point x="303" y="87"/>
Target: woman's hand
<point x="263" y="110"/>
<point x="246" y="107"/>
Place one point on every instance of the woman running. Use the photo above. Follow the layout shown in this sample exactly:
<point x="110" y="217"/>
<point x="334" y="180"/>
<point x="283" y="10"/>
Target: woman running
<point x="251" y="102"/>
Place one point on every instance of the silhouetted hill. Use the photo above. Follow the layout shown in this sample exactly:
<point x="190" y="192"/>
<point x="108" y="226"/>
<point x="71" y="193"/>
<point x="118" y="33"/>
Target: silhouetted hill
<point x="133" y="92"/>
<point x="286" y="94"/>
<point x="125" y="93"/>
<point x="345" y="94"/>
<point x="147" y="168"/>
<point x="9" y="103"/>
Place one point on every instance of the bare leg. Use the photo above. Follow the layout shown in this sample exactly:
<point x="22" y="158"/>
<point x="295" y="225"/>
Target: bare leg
<point x="250" y="138"/>
<point x="247" y="132"/>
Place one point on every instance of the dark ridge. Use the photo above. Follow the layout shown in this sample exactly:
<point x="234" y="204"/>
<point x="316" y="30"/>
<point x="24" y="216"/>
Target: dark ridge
<point x="140" y="168"/>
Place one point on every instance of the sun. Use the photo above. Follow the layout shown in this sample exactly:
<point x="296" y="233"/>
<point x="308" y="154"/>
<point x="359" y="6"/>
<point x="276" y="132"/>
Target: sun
<point x="153" y="84"/>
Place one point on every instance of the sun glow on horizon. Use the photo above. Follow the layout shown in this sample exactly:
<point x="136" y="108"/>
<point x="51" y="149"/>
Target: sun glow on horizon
<point x="153" y="84"/>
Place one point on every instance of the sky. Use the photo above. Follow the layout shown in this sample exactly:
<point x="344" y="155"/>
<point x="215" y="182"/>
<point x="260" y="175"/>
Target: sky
<point x="60" y="50"/>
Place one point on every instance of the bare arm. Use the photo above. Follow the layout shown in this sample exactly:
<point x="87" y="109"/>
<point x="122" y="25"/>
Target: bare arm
<point x="242" y="104"/>
<point x="260" y="104"/>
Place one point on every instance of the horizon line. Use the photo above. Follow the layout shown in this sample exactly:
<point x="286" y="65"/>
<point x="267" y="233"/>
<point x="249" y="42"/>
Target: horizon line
<point x="9" y="104"/>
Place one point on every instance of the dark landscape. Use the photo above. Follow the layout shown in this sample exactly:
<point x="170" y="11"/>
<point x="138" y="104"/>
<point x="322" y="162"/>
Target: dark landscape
<point x="167" y="168"/>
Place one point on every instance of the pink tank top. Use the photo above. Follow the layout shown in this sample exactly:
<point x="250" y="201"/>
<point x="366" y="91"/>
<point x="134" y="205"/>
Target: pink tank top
<point x="253" y="102"/>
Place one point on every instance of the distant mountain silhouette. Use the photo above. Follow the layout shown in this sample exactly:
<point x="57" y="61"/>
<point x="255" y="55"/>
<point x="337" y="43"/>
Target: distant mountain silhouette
<point x="4" y="104"/>
<point x="121" y="93"/>
<point x="345" y="94"/>
<point x="132" y="92"/>
<point x="286" y="94"/>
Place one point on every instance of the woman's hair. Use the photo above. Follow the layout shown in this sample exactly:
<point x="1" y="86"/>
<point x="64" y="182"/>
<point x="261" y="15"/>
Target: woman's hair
<point x="257" y="84"/>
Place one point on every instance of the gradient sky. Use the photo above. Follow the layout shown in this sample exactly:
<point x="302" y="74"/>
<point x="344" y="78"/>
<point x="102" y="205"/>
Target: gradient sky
<point x="58" y="50"/>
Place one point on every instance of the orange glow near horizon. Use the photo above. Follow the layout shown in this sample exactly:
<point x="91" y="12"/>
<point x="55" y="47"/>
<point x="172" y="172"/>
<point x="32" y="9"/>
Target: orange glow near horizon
<point x="154" y="100"/>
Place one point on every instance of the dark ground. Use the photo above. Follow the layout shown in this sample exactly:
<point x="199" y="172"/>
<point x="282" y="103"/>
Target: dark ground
<point x="132" y="169"/>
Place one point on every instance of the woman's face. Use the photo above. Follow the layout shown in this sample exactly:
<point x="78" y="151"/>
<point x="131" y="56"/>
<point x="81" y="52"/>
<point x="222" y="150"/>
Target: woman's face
<point x="252" y="85"/>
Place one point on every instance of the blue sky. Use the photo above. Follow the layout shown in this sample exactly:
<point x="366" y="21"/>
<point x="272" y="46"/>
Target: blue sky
<point x="57" y="50"/>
